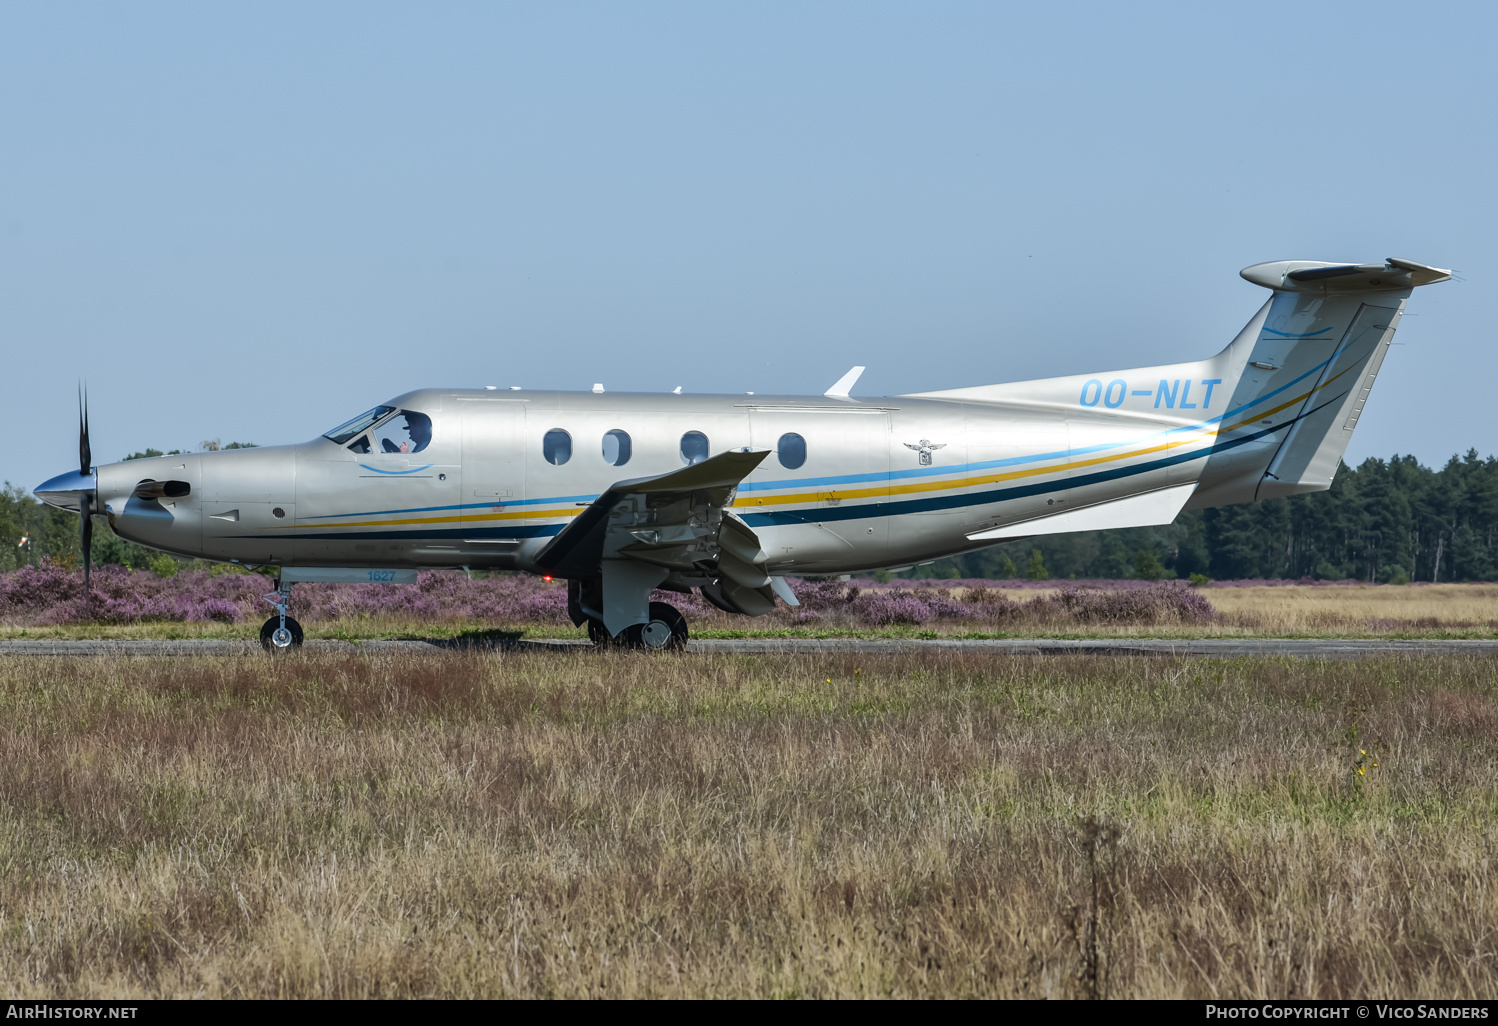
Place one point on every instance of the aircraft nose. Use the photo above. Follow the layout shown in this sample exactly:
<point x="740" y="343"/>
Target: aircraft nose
<point x="65" y="491"/>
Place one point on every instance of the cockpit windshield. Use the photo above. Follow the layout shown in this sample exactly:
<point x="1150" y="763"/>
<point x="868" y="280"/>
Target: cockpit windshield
<point x="343" y="432"/>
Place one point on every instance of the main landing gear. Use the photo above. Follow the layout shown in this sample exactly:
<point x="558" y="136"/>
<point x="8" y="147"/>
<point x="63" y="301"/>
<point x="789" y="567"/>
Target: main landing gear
<point x="280" y="632"/>
<point x="664" y="628"/>
<point x="665" y="631"/>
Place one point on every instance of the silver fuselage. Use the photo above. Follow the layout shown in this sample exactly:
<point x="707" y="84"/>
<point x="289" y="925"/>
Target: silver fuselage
<point x="481" y="494"/>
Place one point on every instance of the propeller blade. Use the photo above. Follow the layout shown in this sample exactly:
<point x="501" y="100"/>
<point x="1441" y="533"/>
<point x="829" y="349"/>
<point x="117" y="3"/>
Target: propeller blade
<point x="85" y="454"/>
<point x="85" y="508"/>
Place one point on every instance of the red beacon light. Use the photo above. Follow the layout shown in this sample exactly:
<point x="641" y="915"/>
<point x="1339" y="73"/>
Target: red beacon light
<point x="547" y="578"/>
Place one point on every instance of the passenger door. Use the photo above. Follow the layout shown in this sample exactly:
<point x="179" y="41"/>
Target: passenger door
<point x="493" y="474"/>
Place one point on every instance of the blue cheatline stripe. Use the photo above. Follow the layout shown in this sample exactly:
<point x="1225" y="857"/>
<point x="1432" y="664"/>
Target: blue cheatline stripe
<point x="396" y="473"/>
<point x="500" y="533"/>
<point x="1011" y="461"/>
<point x="466" y="505"/>
<point x="1017" y="492"/>
<point x="950" y="502"/>
<point x="892" y="475"/>
<point x="1286" y="334"/>
<point x="864" y="512"/>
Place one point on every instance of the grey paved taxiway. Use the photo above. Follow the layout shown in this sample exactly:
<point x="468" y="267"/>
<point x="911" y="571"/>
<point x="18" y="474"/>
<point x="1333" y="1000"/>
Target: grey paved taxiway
<point x="1311" y="648"/>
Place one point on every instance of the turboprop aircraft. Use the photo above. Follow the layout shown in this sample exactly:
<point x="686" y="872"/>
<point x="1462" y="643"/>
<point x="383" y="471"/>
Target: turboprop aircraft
<point x="623" y="494"/>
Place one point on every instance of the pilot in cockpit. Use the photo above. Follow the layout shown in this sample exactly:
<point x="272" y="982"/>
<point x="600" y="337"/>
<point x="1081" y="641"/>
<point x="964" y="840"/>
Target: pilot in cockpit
<point x="410" y="432"/>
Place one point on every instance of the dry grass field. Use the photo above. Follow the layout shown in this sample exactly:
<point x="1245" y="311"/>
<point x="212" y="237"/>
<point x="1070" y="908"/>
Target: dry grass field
<point x="614" y="825"/>
<point x="1293" y="610"/>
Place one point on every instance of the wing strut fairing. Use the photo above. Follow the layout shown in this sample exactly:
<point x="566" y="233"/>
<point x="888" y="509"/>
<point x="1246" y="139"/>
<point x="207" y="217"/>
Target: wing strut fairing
<point x="1148" y="509"/>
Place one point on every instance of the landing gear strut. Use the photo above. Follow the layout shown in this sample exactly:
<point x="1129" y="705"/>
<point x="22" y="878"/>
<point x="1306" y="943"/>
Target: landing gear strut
<point x="280" y="632"/>
<point x="665" y="631"/>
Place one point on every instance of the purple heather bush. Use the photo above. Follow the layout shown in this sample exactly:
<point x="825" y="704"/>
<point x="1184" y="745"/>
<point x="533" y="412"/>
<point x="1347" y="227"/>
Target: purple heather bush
<point x="1156" y="603"/>
<point x="887" y="609"/>
<point x="53" y="594"/>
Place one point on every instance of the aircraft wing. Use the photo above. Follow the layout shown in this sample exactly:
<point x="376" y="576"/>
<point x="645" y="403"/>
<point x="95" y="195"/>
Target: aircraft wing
<point x="673" y="521"/>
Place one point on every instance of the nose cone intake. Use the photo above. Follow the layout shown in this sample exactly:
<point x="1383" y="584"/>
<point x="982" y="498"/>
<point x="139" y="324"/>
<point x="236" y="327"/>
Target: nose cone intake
<point x="65" y="491"/>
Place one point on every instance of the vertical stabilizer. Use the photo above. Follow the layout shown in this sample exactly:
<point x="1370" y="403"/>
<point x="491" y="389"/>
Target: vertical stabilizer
<point x="1308" y="375"/>
<point x="1313" y="448"/>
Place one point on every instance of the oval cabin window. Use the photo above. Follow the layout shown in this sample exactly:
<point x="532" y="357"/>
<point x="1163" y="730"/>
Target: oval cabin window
<point x="616" y="448"/>
<point x="557" y="447"/>
<point x="791" y="450"/>
<point x="693" y="447"/>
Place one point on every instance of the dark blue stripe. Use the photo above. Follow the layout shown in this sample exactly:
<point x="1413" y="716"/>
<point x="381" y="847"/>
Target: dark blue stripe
<point x="891" y="475"/>
<point x="466" y="505"/>
<point x="814" y="516"/>
<point x="843" y="513"/>
<point x="871" y="510"/>
<point x="538" y="531"/>
<point x="1286" y="334"/>
<point x="944" y="502"/>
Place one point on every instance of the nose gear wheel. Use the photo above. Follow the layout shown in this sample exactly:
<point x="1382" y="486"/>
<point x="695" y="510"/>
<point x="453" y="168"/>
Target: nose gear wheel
<point x="277" y="638"/>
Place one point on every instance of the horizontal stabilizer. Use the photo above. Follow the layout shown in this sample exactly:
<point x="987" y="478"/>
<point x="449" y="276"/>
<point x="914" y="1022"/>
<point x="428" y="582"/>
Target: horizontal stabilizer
<point x="1319" y="276"/>
<point x="1151" y="509"/>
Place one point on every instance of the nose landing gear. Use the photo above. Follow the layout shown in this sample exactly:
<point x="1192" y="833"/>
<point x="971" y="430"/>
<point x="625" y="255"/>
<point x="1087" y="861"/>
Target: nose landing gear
<point x="280" y="632"/>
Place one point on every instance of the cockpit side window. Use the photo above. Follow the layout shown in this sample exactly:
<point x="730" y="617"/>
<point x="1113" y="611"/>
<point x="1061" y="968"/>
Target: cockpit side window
<point x="343" y="432"/>
<point x="360" y="445"/>
<point x="408" y="431"/>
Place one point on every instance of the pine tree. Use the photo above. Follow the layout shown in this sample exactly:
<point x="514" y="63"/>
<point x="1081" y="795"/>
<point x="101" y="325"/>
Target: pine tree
<point x="1037" y="566"/>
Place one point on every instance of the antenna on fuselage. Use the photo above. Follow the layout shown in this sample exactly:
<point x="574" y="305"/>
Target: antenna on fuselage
<point x="676" y="390"/>
<point x="844" y="384"/>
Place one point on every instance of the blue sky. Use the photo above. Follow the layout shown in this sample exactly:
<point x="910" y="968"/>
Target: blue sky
<point x="251" y="221"/>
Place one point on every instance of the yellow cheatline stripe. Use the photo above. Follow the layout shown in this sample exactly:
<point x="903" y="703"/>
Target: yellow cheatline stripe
<point x="969" y="482"/>
<point x="1014" y="475"/>
<point x="870" y="493"/>
<point x="475" y="518"/>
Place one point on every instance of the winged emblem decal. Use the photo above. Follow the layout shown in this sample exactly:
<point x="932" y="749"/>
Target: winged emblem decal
<point x="925" y="449"/>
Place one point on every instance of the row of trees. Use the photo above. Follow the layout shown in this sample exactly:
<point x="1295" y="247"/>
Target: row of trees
<point x="1384" y="521"/>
